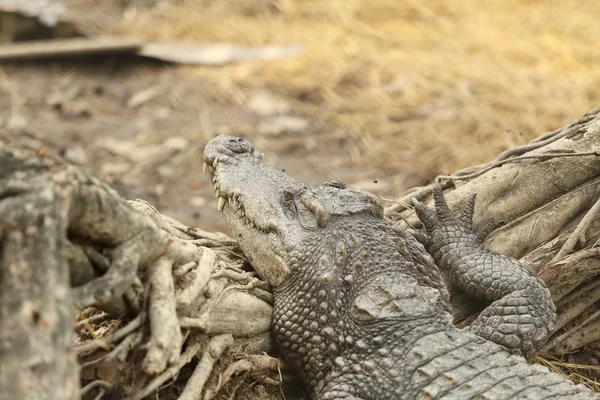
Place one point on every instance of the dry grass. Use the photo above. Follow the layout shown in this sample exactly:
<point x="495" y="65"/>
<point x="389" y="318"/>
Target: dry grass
<point x="436" y="85"/>
<point x="578" y="373"/>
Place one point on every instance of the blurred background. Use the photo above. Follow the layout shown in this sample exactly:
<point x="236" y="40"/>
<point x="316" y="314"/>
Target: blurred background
<point x="380" y="94"/>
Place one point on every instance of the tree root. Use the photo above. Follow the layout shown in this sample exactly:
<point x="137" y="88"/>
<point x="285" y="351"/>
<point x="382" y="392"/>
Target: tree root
<point x="578" y="236"/>
<point x="168" y="287"/>
<point x="170" y="373"/>
<point x="166" y="339"/>
<point x="256" y="363"/>
<point x="104" y="343"/>
<point x="195" y="385"/>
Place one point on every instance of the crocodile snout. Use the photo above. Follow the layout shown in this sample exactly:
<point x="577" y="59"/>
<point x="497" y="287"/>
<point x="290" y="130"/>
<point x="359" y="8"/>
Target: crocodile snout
<point x="235" y="144"/>
<point x="226" y="145"/>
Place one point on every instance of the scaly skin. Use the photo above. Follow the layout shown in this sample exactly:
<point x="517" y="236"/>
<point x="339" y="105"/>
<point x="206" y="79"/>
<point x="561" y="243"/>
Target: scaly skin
<point x="521" y="315"/>
<point x="360" y="307"/>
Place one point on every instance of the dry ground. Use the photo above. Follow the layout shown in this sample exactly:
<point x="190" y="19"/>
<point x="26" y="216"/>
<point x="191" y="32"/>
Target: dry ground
<point x="386" y="94"/>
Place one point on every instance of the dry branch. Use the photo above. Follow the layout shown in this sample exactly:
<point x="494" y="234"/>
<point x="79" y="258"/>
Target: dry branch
<point x="195" y="385"/>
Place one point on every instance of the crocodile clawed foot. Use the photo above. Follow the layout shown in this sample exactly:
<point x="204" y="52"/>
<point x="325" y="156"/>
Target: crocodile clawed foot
<point x="441" y="222"/>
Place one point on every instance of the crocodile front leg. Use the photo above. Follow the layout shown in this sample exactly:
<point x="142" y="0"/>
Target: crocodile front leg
<point x="522" y="314"/>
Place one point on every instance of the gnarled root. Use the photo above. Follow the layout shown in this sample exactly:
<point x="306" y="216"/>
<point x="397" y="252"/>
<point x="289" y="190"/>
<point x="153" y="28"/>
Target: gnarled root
<point x="177" y="293"/>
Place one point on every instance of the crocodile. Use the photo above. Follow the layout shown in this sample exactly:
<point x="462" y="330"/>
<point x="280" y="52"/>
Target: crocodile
<point x="361" y="310"/>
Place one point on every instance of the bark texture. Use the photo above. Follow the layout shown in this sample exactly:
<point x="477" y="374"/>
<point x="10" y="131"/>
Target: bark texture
<point x="36" y="307"/>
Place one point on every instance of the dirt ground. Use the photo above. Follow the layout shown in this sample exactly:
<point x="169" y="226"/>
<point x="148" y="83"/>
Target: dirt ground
<point x="383" y="97"/>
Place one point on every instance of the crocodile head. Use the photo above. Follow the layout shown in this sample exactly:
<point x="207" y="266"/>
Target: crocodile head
<point x="268" y="211"/>
<point x="344" y="278"/>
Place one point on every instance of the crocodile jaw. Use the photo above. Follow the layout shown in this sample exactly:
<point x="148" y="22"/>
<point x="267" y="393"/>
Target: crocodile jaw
<point x="271" y="213"/>
<point x="250" y="195"/>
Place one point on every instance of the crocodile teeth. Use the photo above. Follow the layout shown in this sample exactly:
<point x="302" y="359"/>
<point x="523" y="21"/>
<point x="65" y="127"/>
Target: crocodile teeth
<point x="217" y="193"/>
<point x="220" y="204"/>
<point x="205" y="167"/>
<point x="215" y="163"/>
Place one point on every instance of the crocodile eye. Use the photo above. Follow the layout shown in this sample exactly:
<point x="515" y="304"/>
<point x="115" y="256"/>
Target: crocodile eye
<point x="289" y="206"/>
<point x="335" y="184"/>
<point x="288" y="196"/>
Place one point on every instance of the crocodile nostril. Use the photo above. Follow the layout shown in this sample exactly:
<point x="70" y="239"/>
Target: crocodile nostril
<point x="233" y="140"/>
